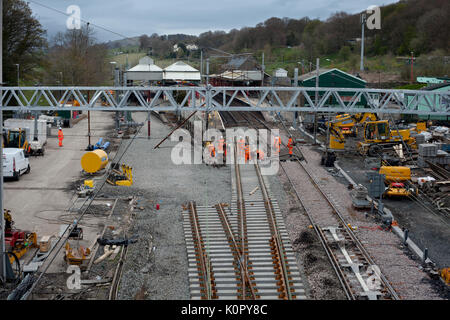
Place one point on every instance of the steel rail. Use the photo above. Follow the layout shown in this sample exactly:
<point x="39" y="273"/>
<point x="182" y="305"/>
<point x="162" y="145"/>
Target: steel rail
<point x="237" y="253"/>
<point x="350" y="232"/>
<point x="242" y="230"/>
<point x="331" y="257"/>
<point x="279" y="252"/>
<point x="203" y="263"/>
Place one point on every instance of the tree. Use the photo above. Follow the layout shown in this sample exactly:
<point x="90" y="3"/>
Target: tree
<point x="82" y="61"/>
<point x="344" y="53"/>
<point x="23" y="42"/>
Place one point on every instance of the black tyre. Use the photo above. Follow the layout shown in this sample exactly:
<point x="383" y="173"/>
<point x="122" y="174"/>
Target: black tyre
<point x="16" y="175"/>
<point x="375" y="150"/>
<point x="28" y="169"/>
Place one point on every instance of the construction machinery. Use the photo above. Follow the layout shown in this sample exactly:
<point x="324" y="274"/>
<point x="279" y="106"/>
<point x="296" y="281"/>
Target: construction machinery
<point x="348" y="123"/>
<point x="16" y="138"/>
<point x="28" y="134"/>
<point x="420" y="127"/>
<point x="121" y="178"/>
<point x="378" y="137"/>
<point x="399" y="190"/>
<point x="76" y="256"/>
<point x="398" y="183"/>
<point x="396" y="173"/>
<point x="336" y="142"/>
<point x="17" y="242"/>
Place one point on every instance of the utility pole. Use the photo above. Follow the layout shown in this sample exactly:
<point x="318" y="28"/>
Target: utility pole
<point x="6" y="272"/>
<point x="201" y="66"/>
<point x="2" y="220"/>
<point x="116" y="84"/>
<point x="262" y="71"/>
<point x="18" y="74"/>
<point x="207" y="95"/>
<point x="363" y="22"/>
<point x="316" y="101"/>
<point x="294" y="124"/>
<point x="89" y="112"/>
<point x="412" y="66"/>
<point x="207" y="71"/>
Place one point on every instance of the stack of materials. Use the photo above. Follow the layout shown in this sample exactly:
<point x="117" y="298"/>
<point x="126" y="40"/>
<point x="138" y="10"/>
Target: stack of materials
<point x="431" y="152"/>
<point x="420" y="138"/>
<point x="359" y="197"/>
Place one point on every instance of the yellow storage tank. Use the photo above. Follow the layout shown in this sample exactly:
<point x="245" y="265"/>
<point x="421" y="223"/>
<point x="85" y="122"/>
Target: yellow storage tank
<point x="94" y="161"/>
<point x="396" y="174"/>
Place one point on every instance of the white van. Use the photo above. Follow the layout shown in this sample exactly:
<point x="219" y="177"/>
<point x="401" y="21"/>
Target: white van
<point x="15" y="163"/>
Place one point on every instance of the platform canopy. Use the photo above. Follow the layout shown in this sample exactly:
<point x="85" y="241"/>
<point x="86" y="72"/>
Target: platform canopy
<point x="181" y="71"/>
<point x="146" y="70"/>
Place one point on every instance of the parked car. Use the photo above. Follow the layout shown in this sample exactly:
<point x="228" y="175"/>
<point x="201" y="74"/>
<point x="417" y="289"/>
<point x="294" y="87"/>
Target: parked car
<point x="15" y="163"/>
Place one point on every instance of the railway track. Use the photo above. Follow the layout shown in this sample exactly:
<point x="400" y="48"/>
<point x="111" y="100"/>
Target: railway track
<point x="241" y="251"/>
<point x="356" y="271"/>
<point x="241" y="119"/>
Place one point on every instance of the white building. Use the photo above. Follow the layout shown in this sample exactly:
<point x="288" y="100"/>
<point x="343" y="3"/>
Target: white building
<point x="280" y="73"/>
<point x="181" y="71"/>
<point x="146" y="70"/>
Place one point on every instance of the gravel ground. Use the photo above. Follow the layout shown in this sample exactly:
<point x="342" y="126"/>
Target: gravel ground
<point x="426" y="229"/>
<point x="162" y="274"/>
<point x="385" y="247"/>
<point x="320" y="281"/>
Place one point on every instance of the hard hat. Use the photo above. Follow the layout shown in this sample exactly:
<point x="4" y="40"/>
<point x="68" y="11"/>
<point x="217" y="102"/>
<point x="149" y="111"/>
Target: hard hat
<point x="60" y="128"/>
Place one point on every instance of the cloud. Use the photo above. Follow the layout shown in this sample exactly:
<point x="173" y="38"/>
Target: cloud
<point x="135" y="17"/>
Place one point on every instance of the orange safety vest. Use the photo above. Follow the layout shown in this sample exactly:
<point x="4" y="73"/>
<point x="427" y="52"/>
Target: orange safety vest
<point x="212" y="150"/>
<point x="290" y="145"/>
<point x="247" y="153"/>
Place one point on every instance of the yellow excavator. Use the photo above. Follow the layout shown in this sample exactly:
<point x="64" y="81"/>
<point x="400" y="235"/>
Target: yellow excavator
<point x="336" y="142"/>
<point x="348" y="123"/>
<point x="378" y="137"/>
<point x="15" y="138"/>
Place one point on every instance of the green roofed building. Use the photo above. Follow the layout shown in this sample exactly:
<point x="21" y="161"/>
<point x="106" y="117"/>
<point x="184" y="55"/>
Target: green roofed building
<point x="333" y="78"/>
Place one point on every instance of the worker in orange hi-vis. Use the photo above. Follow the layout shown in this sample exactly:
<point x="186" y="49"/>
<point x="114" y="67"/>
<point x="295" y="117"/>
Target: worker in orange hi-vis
<point x="60" y="137"/>
<point x="290" y="145"/>
<point x="212" y="150"/>
<point x="247" y="153"/>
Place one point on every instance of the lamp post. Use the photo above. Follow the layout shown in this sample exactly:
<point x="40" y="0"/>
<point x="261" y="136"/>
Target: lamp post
<point x="113" y="64"/>
<point x="61" y="84"/>
<point x="363" y="21"/>
<point x="303" y="67"/>
<point x="18" y="73"/>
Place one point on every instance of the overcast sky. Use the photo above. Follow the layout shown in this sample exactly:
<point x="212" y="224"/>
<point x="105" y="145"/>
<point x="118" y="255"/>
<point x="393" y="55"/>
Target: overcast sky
<point x="136" y="17"/>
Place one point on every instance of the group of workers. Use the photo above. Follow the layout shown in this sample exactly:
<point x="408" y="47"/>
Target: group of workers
<point x="277" y="145"/>
<point x="244" y="149"/>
